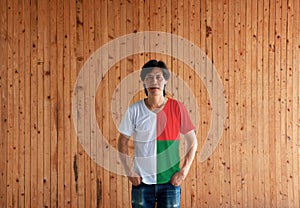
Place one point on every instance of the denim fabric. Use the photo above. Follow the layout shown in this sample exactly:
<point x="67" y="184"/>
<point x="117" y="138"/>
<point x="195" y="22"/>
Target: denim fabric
<point x="165" y="195"/>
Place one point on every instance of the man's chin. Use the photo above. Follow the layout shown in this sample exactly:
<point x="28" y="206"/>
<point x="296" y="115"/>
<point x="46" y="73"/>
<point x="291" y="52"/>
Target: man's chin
<point x="154" y="90"/>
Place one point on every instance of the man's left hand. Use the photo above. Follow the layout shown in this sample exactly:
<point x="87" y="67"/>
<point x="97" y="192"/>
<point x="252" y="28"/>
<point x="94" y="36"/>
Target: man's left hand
<point x="178" y="178"/>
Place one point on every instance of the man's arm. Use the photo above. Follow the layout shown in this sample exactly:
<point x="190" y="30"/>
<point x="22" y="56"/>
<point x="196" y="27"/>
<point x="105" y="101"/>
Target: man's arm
<point x="123" y="150"/>
<point x="192" y="144"/>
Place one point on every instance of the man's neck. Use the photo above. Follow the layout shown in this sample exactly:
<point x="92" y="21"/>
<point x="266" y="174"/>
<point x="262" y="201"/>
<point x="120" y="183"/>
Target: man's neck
<point x="155" y="103"/>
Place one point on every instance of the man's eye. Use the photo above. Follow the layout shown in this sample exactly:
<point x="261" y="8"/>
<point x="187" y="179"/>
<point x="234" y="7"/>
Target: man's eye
<point x="150" y="78"/>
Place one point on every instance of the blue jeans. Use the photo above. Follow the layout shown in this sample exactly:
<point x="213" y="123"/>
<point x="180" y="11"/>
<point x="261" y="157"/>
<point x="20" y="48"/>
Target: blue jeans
<point x="165" y="195"/>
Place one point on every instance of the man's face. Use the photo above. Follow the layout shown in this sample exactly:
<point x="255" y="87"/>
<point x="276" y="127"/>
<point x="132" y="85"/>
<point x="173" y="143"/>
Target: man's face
<point x="155" y="81"/>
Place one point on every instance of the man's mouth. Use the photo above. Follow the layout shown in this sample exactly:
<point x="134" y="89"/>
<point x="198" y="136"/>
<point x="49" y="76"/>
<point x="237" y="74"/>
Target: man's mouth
<point x="154" y="88"/>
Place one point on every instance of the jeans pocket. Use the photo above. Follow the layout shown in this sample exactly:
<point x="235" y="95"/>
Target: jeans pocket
<point x="138" y="186"/>
<point x="174" y="185"/>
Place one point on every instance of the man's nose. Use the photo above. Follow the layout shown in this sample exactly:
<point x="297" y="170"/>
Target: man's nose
<point x="155" y="80"/>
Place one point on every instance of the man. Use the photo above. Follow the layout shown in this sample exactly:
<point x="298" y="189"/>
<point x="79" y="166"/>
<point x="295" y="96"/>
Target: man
<point x="155" y="123"/>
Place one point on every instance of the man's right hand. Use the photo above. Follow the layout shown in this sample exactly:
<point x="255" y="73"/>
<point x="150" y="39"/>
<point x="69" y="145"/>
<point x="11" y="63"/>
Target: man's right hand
<point x="135" y="179"/>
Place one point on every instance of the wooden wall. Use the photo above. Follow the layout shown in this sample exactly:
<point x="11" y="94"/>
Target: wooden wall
<point x="255" y="46"/>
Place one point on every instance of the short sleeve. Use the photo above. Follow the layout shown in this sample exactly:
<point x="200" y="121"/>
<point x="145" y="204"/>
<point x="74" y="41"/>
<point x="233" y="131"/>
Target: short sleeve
<point x="126" y="126"/>
<point x="186" y="124"/>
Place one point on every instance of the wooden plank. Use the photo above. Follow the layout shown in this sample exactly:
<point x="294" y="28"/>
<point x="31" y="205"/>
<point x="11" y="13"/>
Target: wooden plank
<point x="47" y="107"/>
<point x="289" y="105"/>
<point x="104" y="106"/>
<point x="88" y="45"/>
<point x="15" y="107"/>
<point x="153" y="18"/>
<point x="283" y="103"/>
<point x="180" y="75"/>
<point x="3" y="93"/>
<point x="113" y="73"/>
<point x="16" y="102"/>
<point x="141" y="24"/>
<point x="248" y="69"/>
<point x="41" y="23"/>
<point x="146" y="24"/>
<point x="260" y="122"/>
<point x="166" y="12"/>
<point x="74" y="67"/>
<point x="277" y="104"/>
<point x="27" y="45"/>
<point x="217" y="31"/>
<point x="79" y="157"/>
<point x="204" y="118"/>
<point x="33" y="107"/>
<point x="232" y="108"/>
<point x="114" y="21"/>
<point x="113" y="54"/>
<point x="141" y="27"/>
<point x="93" y="78"/>
<point x="103" y="112"/>
<point x="21" y="46"/>
<point x="174" y="52"/>
<point x="271" y="110"/>
<point x="105" y="131"/>
<point x="273" y="99"/>
<point x="238" y="144"/>
<point x="197" y="92"/>
<point x="296" y="103"/>
<point x="123" y="15"/>
<point x="98" y="145"/>
<point x="208" y="49"/>
<point x="242" y="104"/>
<point x="9" y="105"/>
<point x="158" y="17"/>
<point x="53" y="100"/>
<point x="60" y="101"/>
<point x="191" y="107"/>
<point x="86" y="106"/>
<point x="225" y="190"/>
<point x="254" y="104"/>
<point x="66" y="105"/>
<point x="265" y="85"/>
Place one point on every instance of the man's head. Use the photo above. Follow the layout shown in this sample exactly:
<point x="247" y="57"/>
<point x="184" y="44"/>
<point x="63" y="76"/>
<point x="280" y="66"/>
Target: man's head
<point x="155" y="75"/>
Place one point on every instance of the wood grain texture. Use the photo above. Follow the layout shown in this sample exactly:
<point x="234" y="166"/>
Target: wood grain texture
<point x="254" y="45"/>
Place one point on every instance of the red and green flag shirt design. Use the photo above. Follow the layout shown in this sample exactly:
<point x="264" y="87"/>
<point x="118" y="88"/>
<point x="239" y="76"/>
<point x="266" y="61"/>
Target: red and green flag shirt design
<point x="156" y="139"/>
